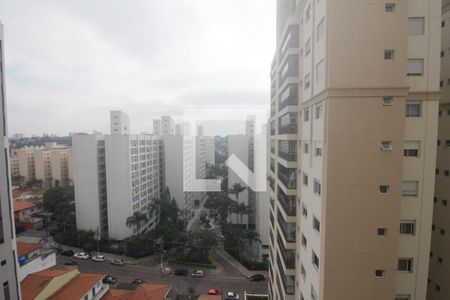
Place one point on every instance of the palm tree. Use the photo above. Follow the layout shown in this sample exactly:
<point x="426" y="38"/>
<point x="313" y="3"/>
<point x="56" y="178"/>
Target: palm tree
<point x="236" y="189"/>
<point x="137" y="220"/>
<point x="251" y="236"/>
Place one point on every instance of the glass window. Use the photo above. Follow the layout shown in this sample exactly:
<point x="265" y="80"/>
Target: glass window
<point x="405" y="264"/>
<point x="415" y="67"/>
<point x="411" y="149"/>
<point x="308" y="47"/>
<point x="320" y="70"/>
<point x="307" y="81"/>
<point x="408" y="227"/>
<point x="315" y="260"/>
<point x="306" y="115"/>
<point x="416" y="25"/>
<point x="389" y="7"/>
<point x="409" y="188"/>
<point x="320" y="29"/>
<point x="413" y="108"/>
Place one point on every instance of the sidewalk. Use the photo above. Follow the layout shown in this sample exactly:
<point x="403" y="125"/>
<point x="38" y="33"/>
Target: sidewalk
<point x="237" y="265"/>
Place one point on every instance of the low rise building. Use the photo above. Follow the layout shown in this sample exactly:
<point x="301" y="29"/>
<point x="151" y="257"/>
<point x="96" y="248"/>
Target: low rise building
<point x="27" y="205"/>
<point x="32" y="258"/>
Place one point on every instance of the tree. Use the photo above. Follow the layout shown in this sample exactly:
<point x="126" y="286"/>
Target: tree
<point x="18" y="180"/>
<point x="251" y="236"/>
<point x="137" y="220"/>
<point x="236" y="189"/>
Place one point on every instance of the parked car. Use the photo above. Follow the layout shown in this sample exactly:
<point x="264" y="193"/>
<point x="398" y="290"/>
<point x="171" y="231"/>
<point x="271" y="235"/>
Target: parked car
<point x="98" y="258"/>
<point x="117" y="262"/>
<point x="81" y="255"/>
<point x="181" y="272"/>
<point x="257" y="277"/>
<point x="110" y="279"/>
<point x="214" y="292"/>
<point x="197" y="274"/>
<point x="232" y="296"/>
<point x="71" y="263"/>
<point x="138" y="281"/>
<point x="67" y="253"/>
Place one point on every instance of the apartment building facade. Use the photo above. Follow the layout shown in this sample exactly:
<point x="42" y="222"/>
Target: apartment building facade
<point x="8" y="252"/>
<point x="440" y="249"/>
<point x="52" y="164"/>
<point x="354" y="105"/>
<point x="114" y="176"/>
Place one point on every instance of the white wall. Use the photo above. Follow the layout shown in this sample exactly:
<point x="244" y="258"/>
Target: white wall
<point x="38" y="264"/>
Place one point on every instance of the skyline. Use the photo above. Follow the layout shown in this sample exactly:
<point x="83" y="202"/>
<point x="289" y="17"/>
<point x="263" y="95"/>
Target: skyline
<point x="60" y="79"/>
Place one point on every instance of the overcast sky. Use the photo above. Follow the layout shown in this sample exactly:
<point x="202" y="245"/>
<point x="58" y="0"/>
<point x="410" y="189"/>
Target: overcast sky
<point x="68" y="62"/>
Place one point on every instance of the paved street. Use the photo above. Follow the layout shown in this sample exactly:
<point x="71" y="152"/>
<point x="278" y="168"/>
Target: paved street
<point x="225" y="278"/>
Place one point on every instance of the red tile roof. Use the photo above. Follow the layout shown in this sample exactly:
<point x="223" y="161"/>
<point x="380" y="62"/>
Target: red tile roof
<point x="20" y="205"/>
<point x="25" y="248"/>
<point x="78" y="287"/>
<point x="35" y="283"/>
<point x="142" y="292"/>
<point x="209" y="297"/>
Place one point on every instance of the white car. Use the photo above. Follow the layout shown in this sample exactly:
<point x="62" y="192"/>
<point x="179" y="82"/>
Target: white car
<point x="232" y="296"/>
<point x="98" y="258"/>
<point x="81" y="255"/>
<point x="197" y="274"/>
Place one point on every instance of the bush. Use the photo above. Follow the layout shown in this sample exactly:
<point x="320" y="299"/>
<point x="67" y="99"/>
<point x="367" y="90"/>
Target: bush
<point x="207" y="264"/>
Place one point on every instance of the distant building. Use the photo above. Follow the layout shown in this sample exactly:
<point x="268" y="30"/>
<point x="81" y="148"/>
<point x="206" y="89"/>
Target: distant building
<point x="178" y="129"/>
<point x="120" y="123"/>
<point x="51" y="164"/>
<point x="27" y="206"/>
<point x="33" y="257"/>
<point x="114" y="176"/>
<point x="164" y="126"/>
<point x="8" y="252"/>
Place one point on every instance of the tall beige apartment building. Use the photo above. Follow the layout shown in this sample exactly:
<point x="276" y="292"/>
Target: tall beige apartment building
<point x="354" y="108"/>
<point x="438" y="287"/>
<point x="52" y="164"/>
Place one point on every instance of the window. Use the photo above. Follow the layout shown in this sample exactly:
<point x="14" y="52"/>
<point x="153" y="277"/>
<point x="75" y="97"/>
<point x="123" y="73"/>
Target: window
<point x="317" y="188"/>
<point x="379" y="273"/>
<point x="304" y="211"/>
<point x="416" y="25"/>
<point x="320" y="70"/>
<point x="313" y="293"/>
<point x="381" y="231"/>
<point x="305" y="148"/>
<point x="437" y="171"/>
<point x="415" y="67"/>
<point x="3" y="262"/>
<point x="442" y="53"/>
<point x="446" y="173"/>
<point x="409" y="188"/>
<point x="384" y="189"/>
<point x="386" y="145"/>
<point x="304" y="241"/>
<point x="441" y="83"/>
<point x="407" y="227"/>
<point x="307" y="81"/>
<point x="315" y="260"/>
<point x="442" y="231"/>
<point x="402" y="297"/>
<point x="306" y="115"/>
<point x="316" y="224"/>
<point x="320" y="29"/>
<point x="388" y="54"/>
<point x="388" y="101"/>
<point x="389" y="7"/>
<point x="6" y="293"/>
<point x="308" y="47"/>
<point x="447" y="143"/>
<point x="305" y="179"/>
<point x="308" y="14"/>
<point x="405" y="264"/>
<point x="411" y="149"/>
<point x="318" y="151"/>
<point x="444" y="202"/>
<point x="443" y="23"/>
<point x="413" y="108"/>
<point x="319" y="110"/>
<point x="303" y="271"/>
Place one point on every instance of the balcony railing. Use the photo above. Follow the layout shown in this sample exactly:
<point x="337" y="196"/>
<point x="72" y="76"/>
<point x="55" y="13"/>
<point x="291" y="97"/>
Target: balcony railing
<point x="288" y="281"/>
<point x="272" y="202"/>
<point x="289" y="96"/>
<point x="288" y="203"/>
<point x="288" y="255"/>
<point x="271" y="183"/>
<point x="288" y="229"/>
<point x="287" y="176"/>
<point x="271" y="219"/>
<point x="287" y="129"/>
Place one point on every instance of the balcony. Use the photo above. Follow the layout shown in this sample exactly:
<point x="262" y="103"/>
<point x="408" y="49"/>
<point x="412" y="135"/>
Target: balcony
<point x="289" y="96"/>
<point x="289" y="69"/>
<point x="272" y="202"/>
<point x="288" y="281"/>
<point x="288" y="203"/>
<point x="272" y="165"/>
<point x="287" y="150"/>
<point x="287" y="176"/>
<point x="272" y="128"/>
<point x="288" y="255"/>
<point x="288" y="229"/>
<point x="271" y="220"/>
<point x="290" y="40"/>
<point x="271" y="183"/>
<point x="287" y="124"/>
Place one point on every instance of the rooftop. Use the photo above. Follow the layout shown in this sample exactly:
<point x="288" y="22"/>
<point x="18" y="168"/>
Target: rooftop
<point x="142" y="292"/>
<point x="78" y="287"/>
<point x="25" y="248"/>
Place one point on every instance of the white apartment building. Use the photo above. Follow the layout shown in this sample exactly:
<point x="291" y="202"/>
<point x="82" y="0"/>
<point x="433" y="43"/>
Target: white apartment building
<point x="178" y="129"/>
<point x="120" y="123"/>
<point x="354" y="105"/>
<point x="114" y="176"/>
<point x="438" y="289"/>
<point x="8" y="252"/>
<point x="178" y="159"/>
<point x="52" y="164"/>
<point x="164" y="126"/>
